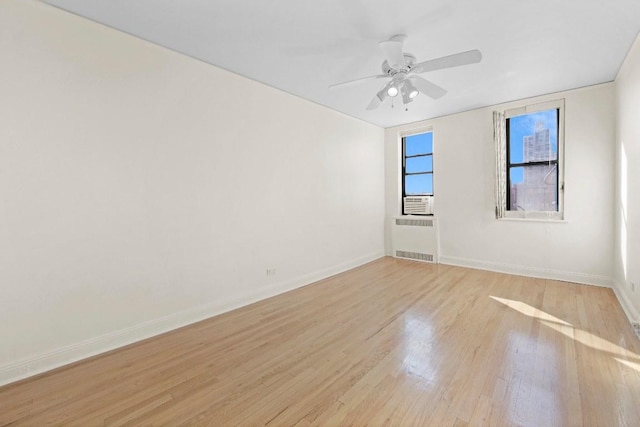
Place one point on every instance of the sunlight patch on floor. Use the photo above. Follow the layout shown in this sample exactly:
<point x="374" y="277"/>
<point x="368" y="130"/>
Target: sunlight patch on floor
<point x="632" y="365"/>
<point x="528" y="310"/>
<point x="567" y="329"/>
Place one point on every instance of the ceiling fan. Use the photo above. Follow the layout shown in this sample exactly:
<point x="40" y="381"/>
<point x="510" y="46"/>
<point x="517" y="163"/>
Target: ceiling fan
<point x="401" y="68"/>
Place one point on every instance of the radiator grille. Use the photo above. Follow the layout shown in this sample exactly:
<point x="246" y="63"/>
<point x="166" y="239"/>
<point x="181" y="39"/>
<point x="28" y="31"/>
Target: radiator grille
<point x="414" y="255"/>
<point x="415" y="222"/>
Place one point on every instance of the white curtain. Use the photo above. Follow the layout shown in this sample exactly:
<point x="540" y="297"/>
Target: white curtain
<point x="500" y="138"/>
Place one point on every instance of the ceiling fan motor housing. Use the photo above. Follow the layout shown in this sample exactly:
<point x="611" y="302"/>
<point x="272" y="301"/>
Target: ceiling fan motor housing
<point x="409" y="61"/>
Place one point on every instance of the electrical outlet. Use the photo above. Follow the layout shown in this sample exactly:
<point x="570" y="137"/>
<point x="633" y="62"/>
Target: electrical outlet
<point x="271" y="271"/>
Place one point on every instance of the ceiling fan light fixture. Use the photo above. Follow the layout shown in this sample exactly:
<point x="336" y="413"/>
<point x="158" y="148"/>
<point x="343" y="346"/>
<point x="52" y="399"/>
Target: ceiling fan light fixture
<point x="411" y="89"/>
<point x="405" y="93"/>
<point x="392" y="91"/>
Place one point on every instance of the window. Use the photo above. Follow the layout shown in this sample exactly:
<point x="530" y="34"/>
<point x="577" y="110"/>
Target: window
<point x="532" y="181"/>
<point x="417" y="166"/>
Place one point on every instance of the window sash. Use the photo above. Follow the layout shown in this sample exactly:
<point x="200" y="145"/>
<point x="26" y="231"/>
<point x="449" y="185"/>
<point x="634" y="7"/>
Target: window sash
<point x="503" y="164"/>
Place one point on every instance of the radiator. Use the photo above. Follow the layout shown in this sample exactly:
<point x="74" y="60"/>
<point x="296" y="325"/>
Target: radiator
<point x="415" y="238"/>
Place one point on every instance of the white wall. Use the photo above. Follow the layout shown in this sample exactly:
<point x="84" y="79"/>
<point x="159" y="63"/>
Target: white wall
<point x="627" y="195"/>
<point x="577" y="250"/>
<point x="141" y="189"/>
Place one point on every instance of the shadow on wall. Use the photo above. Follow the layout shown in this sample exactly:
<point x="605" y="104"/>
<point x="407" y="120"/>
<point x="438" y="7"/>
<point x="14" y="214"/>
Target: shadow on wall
<point x="623" y="211"/>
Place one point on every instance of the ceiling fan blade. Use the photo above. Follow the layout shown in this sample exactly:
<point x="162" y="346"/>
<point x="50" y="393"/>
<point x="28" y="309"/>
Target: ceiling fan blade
<point x="425" y="86"/>
<point x="380" y="97"/>
<point x="455" y="60"/>
<point x="350" y="82"/>
<point x="375" y="103"/>
<point x="392" y="52"/>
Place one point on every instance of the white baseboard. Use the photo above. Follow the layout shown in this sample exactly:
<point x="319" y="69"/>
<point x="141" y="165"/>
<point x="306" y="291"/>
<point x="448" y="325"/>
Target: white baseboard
<point x="627" y="306"/>
<point x="543" y="273"/>
<point x="72" y="353"/>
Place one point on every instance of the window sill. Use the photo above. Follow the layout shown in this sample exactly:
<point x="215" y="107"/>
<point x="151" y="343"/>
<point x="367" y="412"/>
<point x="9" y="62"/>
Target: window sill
<point x="554" y="220"/>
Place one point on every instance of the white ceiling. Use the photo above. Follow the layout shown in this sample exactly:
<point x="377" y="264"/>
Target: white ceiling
<point x="302" y="47"/>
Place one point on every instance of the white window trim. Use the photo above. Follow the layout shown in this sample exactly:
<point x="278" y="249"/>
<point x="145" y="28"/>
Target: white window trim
<point x="501" y="177"/>
<point x="415" y="131"/>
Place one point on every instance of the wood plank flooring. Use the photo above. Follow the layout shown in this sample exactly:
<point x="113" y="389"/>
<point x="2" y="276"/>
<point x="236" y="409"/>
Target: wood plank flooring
<point x="390" y="343"/>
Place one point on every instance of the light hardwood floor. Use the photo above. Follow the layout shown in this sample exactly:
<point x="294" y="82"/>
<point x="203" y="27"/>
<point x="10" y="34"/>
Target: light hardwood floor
<point x="392" y="342"/>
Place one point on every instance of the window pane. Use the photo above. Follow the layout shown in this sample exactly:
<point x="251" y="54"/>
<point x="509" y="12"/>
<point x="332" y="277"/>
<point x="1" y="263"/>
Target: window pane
<point x="533" y="137"/>
<point x="516" y="175"/>
<point x="419" y="144"/>
<point x="534" y="188"/>
<point x="419" y="164"/>
<point x="418" y="184"/>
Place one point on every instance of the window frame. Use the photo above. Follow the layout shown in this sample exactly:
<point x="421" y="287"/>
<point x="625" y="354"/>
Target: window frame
<point x="559" y="106"/>
<point x="403" y="165"/>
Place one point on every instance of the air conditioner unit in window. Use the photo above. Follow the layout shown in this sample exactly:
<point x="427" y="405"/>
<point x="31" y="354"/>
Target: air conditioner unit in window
<point x="418" y="205"/>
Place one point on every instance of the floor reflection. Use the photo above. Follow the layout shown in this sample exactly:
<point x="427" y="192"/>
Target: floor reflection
<point x="532" y="374"/>
<point x="418" y="343"/>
